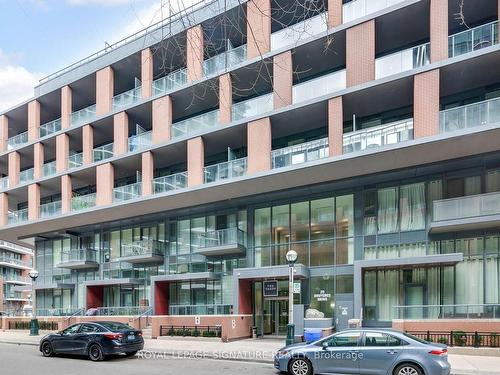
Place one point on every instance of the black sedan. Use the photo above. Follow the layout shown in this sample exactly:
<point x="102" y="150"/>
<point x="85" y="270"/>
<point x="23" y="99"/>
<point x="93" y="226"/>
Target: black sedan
<point x="93" y="339"/>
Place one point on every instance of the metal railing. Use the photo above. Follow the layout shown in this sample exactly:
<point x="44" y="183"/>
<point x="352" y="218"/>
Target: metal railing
<point x="49" y="169"/>
<point x="140" y="141"/>
<point x="300" y="153"/>
<point x="127" y="98"/>
<point x="224" y="60"/>
<point x="169" y="183"/>
<point x="473" y="39"/>
<point x="14" y="278"/>
<point x="16" y="261"/>
<point x="15" y="247"/>
<point x="226" y="170"/>
<point x="102" y="152"/>
<point x="303" y="29"/>
<point x="49" y="128"/>
<point x="127" y="192"/>
<point x="82" y="202"/>
<point x="17" y="141"/>
<point x="50" y="209"/>
<point x="26" y="175"/>
<point x="80" y="255"/>
<point x="170" y="82"/>
<point x="460" y="338"/>
<point x="403" y="61"/>
<point x="190" y="331"/>
<point x="83" y="116"/>
<point x="220" y="237"/>
<point x="466" y="207"/>
<point x="359" y="8"/>
<point x="19" y="216"/>
<point x="120" y="310"/>
<point x="200" y="309"/>
<point x="142" y="247"/>
<point x="319" y="86"/>
<point x="396" y="132"/>
<point x="457" y="311"/>
<point x="145" y="315"/>
<point x="470" y="116"/>
<point x="195" y="124"/>
<point x="75" y="160"/>
<point x="4" y="183"/>
<point x="252" y="107"/>
<point x="58" y="312"/>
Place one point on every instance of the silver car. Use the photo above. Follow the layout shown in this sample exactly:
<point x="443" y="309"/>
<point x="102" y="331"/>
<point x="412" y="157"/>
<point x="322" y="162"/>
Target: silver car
<point x="365" y="351"/>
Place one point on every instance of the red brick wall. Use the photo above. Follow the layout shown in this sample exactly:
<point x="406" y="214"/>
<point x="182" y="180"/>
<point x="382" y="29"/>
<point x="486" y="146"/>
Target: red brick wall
<point x="439" y="29"/>
<point x="334" y="13"/>
<point x="258" y="27"/>
<point x="282" y="79"/>
<point x="335" y="126"/>
<point x="426" y="104"/>
<point x="360" y="53"/>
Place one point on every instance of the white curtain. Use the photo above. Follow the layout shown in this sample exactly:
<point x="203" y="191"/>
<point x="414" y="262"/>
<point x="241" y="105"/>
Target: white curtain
<point x="469" y="288"/>
<point x="387" y="210"/>
<point x="387" y="294"/>
<point x="433" y="292"/>
<point x="473" y="185"/>
<point x="493" y="181"/>
<point x="492" y="279"/>
<point x="412" y="207"/>
<point x="435" y="192"/>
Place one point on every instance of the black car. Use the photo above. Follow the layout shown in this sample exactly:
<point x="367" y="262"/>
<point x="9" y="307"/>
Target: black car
<point x="93" y="339"/>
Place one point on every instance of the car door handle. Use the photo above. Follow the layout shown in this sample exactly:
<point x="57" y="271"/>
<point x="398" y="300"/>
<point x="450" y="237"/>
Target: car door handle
<point x="392" y="351"/>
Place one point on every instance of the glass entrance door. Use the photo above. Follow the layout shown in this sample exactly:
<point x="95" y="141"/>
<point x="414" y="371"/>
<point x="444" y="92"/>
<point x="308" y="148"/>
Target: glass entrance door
<point x="414" y="297"/>
<point x="275" y="317"/>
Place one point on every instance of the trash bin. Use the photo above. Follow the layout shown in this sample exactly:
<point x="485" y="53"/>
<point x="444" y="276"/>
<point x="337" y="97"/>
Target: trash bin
<point x="312" y="334"/>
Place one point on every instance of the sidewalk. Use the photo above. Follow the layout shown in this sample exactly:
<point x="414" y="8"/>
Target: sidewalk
<point x="252" y="351"/>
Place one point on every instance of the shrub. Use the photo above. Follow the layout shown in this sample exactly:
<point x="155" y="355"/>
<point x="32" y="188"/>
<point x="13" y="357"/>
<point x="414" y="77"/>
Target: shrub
<point x="459" y="338"/>
<point x="443" y="340"/>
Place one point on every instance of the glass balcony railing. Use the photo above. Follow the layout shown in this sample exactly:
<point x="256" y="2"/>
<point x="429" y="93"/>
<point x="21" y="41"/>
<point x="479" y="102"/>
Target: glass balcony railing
<point x="83" y="116"/>
<point x="319" y="86"/>
<point x="140" y="141"/>
<point x="301" y="153"/>
<point x="19" y="216"/>
<point x="195" y="124"/>
<point x="15" y="261"/>
<point x="221" y="237"/>
<point x="50" y="209"/>
<point x="49" y="169"/>
<point x="202" y="310"/>
<point x="459" y="311"/>
<point x="170" y="82"/>
<point x="17" y="141"/>
<point x="49" y="128"/>
<point x="4" y="183"/>
<point x="224" y="60"/>
<point x="226" y="170"/>
<point x="142" y="247"/>
<point x="26" y="175"/>
<point x="168" y="183"/>
<point x="355" y="9"/>
<point x="473" y="39"/>
<point x="470" y="116"/>
<point x="82" y="202"/>
<point x="15" y="278"/>
<point x="102" y="152"/>
<point x="252" y="107"/>
<point x="127" y="192"/>
<point x="79" y="255"/>
<point x="402" y="61"/>
<point x="75" y="160"/>
<point x="301" y="30"/>
<point x="127" y="98"/>
<point x="377" y="136"/>
<point x="471" y="206"/>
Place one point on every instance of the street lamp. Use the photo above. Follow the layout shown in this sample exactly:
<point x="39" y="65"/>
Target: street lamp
<point x="291" y="258"/>
<point x="33" y="274"/>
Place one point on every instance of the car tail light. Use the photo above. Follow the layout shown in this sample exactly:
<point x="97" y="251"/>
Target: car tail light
<point x="113" y="336"/>
<point x="439" y="352"/>
<point x="139" y="333"/>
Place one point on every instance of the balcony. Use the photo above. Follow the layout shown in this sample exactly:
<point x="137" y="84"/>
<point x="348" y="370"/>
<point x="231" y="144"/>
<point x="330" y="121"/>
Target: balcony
<point x="195" y="124"/>
<point x="316" y="87"/>
<point x="378" y="136"/>
<point x="75" y="160"/>
<point x="301" y="30"/>
<point x="15" y="297"/>
<point x="49" y="128"/>
<point x="143" y="252"/>
<point x="466" y="213"/>
<point x="102" y="152"/>
<point x="402" y="61"/>
<point x="170" y="183"/>
<point x="127" y="98"/>
<point x="17" y="217"/>
<point x="4" y="183"/>
<point x="8" y="261"/>
<point x="49" y="169"/>
<point x="127" y="192"/>
<point x="300" y="153"/>
<point x="83" y="116"/>
<point x="79" y="259"/>
<point x="17" y="279"/>
<point x="201" y="310"/>
<point x="224" y="171"/>
<point x="355" y="9"/>
<point x="252" y="107"/>
<point x="225" y="60"/>
<point x="473" y="39"/>
<point x="12" y="247"/>
<point x="17" y="141"/>
<point x="27" y="175"/>
<point x="170" y="82"/>
<point x="50" y="209"/>
<point x="472" y="115"/>
<point x="82" y="202"/>
<point x="230" y="241"/>
<point x="140" y="141"/>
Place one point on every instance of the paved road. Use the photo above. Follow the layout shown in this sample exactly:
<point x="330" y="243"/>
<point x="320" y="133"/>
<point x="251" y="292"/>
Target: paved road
<point x="27" y="360"/>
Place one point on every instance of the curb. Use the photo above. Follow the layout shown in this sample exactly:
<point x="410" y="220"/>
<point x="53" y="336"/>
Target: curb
<point x="19" y="343"/>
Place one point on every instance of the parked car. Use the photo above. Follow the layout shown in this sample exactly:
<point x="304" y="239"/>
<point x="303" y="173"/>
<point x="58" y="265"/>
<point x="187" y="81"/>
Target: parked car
<point x="93" y="339"/>
<point x="365" y="351"/>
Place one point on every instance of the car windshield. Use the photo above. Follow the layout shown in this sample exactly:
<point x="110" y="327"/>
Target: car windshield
<point x="416" y="338"/>
<point x="115" y="326"/>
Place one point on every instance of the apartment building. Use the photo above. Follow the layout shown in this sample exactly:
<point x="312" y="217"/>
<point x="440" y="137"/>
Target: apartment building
<point x="175" y="169"/>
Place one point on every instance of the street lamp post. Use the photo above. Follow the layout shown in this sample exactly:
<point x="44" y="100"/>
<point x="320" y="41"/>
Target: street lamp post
<point x="33" y="274"/>
<point x="291" y="257"/>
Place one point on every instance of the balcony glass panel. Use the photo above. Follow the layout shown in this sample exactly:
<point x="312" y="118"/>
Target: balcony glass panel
<point x="225" y="60"/>
<point x="466" y="207"/>
<point x="473" y="39"/>
<point x="127" y="98"/>
<point x="50" y="209"/>
<point x="83" y="116"/>
<point x="470" y="116"/>
<point x="402" y="61"/>
<point x="126" y="192"/>
<point x="252" y="107"/>
<point x="26" y="175"/>
<point x="142" y="247"/>
<point x="195" y="124"/>
<point x="16" y="261"/>
<point x="82" y="202"/>
<point x="140" y="141"/>
<point x="226" y="170"/>
<point x="75" y="160"/>
<point x="49" y="169"/>
<point x="103" y="152"/>
<point x="19" y="216"/>
<point x="170" y="82"/>
<point x="169" y="183"/>
<point x="49" y="128"/>
<point x="377" y="136"/>
<point x="301" y="153"/>
<point x="17" y="141"/>
<point x="79" y="255"/>
<point x="4" y="183"/>
<point x="201" y="310"/>
<point x="359" y="8"/>
<point x="319" y="86"/>
<point x="301" y="30"/>
<point x="221" y="237"/>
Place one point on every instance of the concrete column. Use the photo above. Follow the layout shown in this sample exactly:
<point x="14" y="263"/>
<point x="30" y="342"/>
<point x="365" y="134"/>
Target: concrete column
<point x="33" y="120"/>
<point x="258" y="27"/>
<point x="282" y="79"/>
<point x="439" y="30"/>
<point x="194" y="53"/>
<point x="148" y="168"/>
<point x="334" y="13"/>
<point x="62" y="152"/>
<point x="88" y="144"/>
<point x="120" y="133"/>
<point x="4" y="132"/>
<point x="66" y="106"/>
<point x="105" y="182"/>
<point x="14" y="168"/>
<point x="162" y="119"/>
<point x="4" y="209"/>
<point x="426" y="104"/>
<point x="335" y="126"/>
<point x="360" y="53"/>
<point x="104" y="90"/>
<point x="38" y="160"/>
<point x="33" y="201"/>
<point x="259" y="138"/>
<point x="66" y="193"/>
<point x="147" y="72"/>
<point x="195" y="161"/>
<point x="225" y="98"/>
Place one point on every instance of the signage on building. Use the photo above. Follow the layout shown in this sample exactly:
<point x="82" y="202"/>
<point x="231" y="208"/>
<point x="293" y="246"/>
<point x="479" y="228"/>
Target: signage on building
<point x="322" y="296"/>
<point x="270" y="288"/>
<point x="197" y="320"/>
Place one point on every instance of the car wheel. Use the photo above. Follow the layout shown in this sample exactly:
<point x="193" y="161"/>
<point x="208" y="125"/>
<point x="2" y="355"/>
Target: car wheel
<point x="300" y="366"/>
<point x="131" y="354"/>
<point x="407" y="369"/>
<point x="95" y="353"/>
<point x="47" y="350"/>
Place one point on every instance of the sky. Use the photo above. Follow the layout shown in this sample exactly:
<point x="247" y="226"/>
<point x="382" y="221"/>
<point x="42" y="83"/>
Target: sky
<point x="39" y="37"/>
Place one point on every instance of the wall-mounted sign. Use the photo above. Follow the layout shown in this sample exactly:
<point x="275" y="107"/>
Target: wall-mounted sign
<point x="296" y="288"/>
<point x="270" y="288"/>
<point x="197" y="320"/>
<point x="322" y="296"/>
